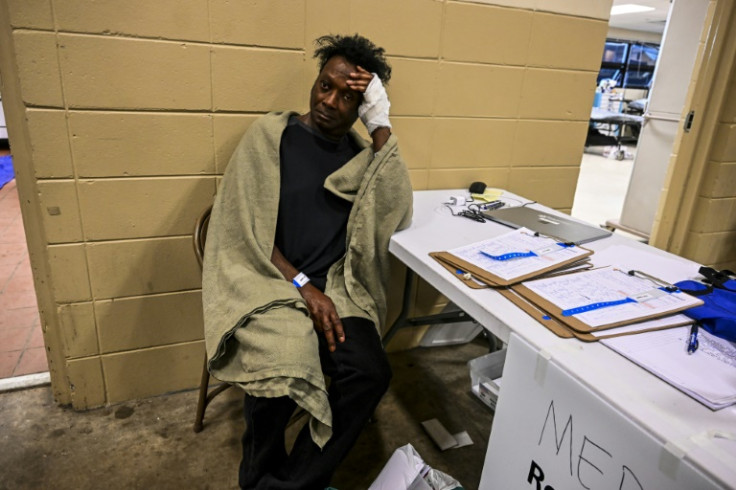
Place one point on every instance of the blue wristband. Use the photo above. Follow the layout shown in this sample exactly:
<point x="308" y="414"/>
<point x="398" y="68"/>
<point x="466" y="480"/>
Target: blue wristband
<point x="300" y="280"/>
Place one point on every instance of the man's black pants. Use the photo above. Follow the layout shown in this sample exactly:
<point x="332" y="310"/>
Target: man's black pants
<point x="360" y="375"/>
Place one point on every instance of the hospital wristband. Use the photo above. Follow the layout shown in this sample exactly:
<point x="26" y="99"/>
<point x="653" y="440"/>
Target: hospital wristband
<point x="300" y="280"/>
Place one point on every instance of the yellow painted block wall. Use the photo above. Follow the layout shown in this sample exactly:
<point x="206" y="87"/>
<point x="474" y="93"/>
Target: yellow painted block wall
<point x="712" y="236"/>
<point x="123" y="116"/>
<point x="696" y="217"/>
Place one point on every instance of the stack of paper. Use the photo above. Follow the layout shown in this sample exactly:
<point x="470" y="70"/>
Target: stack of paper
<point x="708" y="375"/>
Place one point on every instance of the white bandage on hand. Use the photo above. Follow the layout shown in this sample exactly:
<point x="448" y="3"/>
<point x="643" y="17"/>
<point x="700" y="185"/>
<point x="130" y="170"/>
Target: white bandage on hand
<point x="374" y="109"/>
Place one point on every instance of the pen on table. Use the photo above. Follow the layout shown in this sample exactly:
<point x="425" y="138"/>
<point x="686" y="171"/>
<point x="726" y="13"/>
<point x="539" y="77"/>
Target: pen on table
<point x="692" y="341"/>
<point x="490" y="206"/>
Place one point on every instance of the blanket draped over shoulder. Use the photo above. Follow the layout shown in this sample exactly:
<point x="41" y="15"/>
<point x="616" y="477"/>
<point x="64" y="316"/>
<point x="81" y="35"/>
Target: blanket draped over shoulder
<point x="258" y="332"/>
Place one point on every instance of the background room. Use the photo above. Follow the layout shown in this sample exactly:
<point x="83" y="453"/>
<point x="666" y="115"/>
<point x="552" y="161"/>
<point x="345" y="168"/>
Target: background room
<point x="624" y="85"/>
<point x="22" y="352"/>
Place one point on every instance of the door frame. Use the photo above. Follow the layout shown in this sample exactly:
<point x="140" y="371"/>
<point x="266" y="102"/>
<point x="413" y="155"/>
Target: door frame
<point x="691" y="153"/>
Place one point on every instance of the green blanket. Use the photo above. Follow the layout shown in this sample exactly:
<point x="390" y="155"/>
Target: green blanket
<point x="257" y="327"/>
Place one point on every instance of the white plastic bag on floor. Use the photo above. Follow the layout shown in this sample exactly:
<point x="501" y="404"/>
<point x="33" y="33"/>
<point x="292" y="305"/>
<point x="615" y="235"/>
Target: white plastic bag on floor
<point x="406" y="470"/>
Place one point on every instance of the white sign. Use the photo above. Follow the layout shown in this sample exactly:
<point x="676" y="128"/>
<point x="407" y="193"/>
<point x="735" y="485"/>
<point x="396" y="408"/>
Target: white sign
<point x="550" y="432"/>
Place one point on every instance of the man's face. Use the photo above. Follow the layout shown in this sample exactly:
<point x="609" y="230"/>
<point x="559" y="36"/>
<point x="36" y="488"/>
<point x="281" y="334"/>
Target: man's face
<point x="333" y="106"/>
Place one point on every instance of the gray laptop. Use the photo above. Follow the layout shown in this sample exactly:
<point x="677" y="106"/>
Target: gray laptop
<point x="547" y="224"/>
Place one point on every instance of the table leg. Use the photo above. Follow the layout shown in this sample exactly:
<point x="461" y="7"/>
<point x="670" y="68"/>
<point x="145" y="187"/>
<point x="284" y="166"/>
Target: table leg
<point x="403" y="319"/>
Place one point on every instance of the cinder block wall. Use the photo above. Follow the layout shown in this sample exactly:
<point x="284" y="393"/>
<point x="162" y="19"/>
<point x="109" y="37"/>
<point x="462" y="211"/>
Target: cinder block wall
<point x="123" y="114"/>
<point x="696" y="217"/>
<point x="712" y="235"/>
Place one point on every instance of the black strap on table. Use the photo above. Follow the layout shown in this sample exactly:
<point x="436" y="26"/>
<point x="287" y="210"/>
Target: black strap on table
<point x="713" y="279"/>
<point x="717" y="278"/>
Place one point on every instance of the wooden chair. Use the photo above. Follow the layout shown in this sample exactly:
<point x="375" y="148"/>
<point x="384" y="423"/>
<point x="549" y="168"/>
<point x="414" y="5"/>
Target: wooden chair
<point x="205" y="397"/>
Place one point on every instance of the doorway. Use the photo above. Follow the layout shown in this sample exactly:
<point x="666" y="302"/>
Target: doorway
<point x="23" y="359"/>
<point x="604" y="180"/>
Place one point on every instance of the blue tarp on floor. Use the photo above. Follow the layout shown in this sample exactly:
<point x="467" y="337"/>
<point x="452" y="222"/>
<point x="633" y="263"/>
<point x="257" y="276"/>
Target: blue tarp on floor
<point x="6" y="170"/>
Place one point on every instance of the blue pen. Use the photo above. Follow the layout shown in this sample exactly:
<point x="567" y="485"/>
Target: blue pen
<point x="692" y="342"/>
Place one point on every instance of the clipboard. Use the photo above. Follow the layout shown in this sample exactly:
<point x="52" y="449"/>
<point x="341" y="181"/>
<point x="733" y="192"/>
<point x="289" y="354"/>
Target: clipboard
<point x="463" y="275"/>
<point x="513" y="257"/>
<point x="477" y="278"/>
<point x="562" y="330"/>
<point x="576" y="325"/>
<point x="552" y="324"/>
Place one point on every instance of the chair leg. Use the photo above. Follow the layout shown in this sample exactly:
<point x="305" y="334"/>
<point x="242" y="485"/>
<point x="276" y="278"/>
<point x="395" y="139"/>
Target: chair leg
<point x="202" y="402"/>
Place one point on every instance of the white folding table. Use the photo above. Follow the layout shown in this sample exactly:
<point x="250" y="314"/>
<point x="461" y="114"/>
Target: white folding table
<point x="572" y="414"/>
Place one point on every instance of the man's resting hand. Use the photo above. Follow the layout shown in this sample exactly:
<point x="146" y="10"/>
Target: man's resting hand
<point x="324" y="315"/>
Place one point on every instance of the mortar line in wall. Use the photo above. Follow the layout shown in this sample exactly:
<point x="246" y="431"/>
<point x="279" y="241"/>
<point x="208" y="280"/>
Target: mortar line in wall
<point x="209" y="60"/>
<point x="142" y="295"/>
<point x="524" y="67"/>
<point x="89" y="180"/>
<point x="212" y="88"/>
<point x="490" y="118"/>
<point x="209" y="21"/>
<point x="76" y="187"/>
<point x="133" y="37"/>
<point x="151" y="111"/>
<point x="305" y="41"/>
<point x="181" y="112"/>
<point x="177" y="111"/>
<point x="123" y="240"/>
<point x="534" y="10"/>
<point x="506" y="166"/>
<point x="147" y="295"/>
<point x="524" y="75"/>
<point x="151" y="348"/>
<point x="131" y="296"/>
<point x="439" y="59"/>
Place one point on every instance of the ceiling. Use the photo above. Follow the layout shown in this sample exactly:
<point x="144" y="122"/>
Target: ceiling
<point x="651" y="21"/>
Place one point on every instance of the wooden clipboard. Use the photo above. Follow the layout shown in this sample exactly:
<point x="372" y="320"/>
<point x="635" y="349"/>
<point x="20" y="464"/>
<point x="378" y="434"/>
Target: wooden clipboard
<point x="562" y="330"/>
<point x="552" y="324"/>
<point x="462" y="274"/>
<point x="493" y="280"/>
<point x="477" y="278"/>
<point x="577" y="325"/>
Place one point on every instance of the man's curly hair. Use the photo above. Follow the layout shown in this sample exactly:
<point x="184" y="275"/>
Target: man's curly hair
<point x="357" y="50"/>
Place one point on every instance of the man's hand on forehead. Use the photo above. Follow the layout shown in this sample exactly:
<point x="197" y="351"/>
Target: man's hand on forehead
<point x="359" y="80"/>
<point x="374" y="109"/>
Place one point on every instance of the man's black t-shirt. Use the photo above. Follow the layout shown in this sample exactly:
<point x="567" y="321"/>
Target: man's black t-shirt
<point x="312" y="222"/>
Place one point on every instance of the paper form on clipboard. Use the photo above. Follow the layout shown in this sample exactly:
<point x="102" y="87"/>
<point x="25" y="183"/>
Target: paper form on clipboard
<point x="604" y="297"/>
<point x="518" y="254"/>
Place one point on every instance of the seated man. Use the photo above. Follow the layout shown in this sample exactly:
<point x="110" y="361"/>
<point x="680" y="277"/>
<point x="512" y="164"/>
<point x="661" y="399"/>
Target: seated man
<point x="296" y="268"/>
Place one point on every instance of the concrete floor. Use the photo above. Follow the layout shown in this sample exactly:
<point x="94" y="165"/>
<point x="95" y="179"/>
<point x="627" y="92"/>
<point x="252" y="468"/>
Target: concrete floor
<point x="150" y="443"/>
<point x="602" y="186"/>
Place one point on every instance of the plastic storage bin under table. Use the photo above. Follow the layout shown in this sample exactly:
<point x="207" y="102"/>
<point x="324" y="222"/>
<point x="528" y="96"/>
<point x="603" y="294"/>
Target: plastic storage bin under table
<point x="485" y="376"/>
